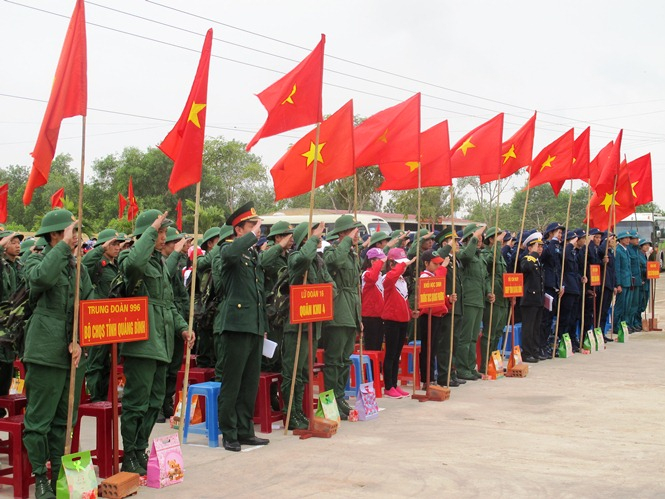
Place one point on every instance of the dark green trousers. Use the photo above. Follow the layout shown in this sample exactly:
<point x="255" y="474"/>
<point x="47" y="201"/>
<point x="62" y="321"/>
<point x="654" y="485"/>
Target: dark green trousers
<point x="274" y="365"/>
<point x="338" y="342"/>
<point x="47" y="391"/>
<point x="98" y="372"/>
<point x="289" y="343"/>
<point x="465" y="356"/>
<point x="141" y="401"/>
<point x="241" y="367"/>
<point x="172" y="376"/>
<point x="206" y="351"/>
<point x="499" y="320"/>
<point x="443" y="347"/>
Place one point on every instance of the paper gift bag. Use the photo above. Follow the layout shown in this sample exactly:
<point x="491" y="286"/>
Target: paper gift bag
<point x="165" y="465"/>
<point x="565" y="349"/>
<point x="327" y="407"/>
<point x="600" y="341"/>
<point x="586" y="343"/>
<point x="195" y="412"/>
<point x="77" y="479"/>
<point x="497" y="360"/>
<point x="623" y="332"/>
<point x="592" y="340"/>
<point x="17" y="387"/>
<point x="366" y="402"/>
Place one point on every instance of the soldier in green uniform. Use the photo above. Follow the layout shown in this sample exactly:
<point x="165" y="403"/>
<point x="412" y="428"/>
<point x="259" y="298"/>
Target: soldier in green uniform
<point x="51" y="278"/>
<point x="241" y="322"/>
<point x="214" y="291"/>
<point x="339" y="335"/>
<point x="205" y="352"/>
<point x="474" y="293"/>
<point x="305" y="258"/>
<point x="102" y="266"/>
<point x="172" y="253"/>
<point x="493" y="236"/>
<point x="146" y="361"/>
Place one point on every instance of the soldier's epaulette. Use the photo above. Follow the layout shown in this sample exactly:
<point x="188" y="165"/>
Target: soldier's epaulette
<point x="531" y="258"/>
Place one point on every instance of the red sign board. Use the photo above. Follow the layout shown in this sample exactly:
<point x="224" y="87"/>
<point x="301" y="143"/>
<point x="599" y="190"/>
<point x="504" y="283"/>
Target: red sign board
<point x="594" y="274"/>
<point x="653" y="270"/>
<point x="513" y="285"/>
<point x="311" y="303"/>
<point x="116" y="320"/>
<point x="431" y="292"/>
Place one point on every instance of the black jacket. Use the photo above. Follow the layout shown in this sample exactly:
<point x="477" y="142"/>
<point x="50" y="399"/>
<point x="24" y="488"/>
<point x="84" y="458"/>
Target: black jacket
<point x="534" y="288"/>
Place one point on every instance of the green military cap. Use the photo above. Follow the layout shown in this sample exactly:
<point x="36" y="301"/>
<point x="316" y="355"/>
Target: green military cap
<point x="445" y="250"/>
<point x="146" y="219"/>
<point x="280" y="229"/>
<point x="491" y="232"/>
<point x="468" y="230"/>
<point x="445" y="233"/>
<point x="423" y="234"/>
<point x="245" y="212"/>
<point x="26" y="245"/>
<point x="211" y="233"/>
<point x="344" y="223"/>
<point x="108" y="234"/>
<point x="55" y="221"/>
<point x="225" y="231"/>
<point x="396" y="234"/>
<point x="41" y="242"/>
<point x="300" y="232"/>
<point x="173" y="234"/>
<point x="377" y="237"/>
<point x="6" y="233"/>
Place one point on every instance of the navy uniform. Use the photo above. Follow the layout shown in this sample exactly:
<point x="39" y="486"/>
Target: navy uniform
<point x="550" y="261"/>
<point x="623" y="279"/>
<point x="586" y="315"/>
<point x="606" y="253"/>
<point x="634" y="317"/>
<point x="571" y="299"/>
<point x="532" y="301"/>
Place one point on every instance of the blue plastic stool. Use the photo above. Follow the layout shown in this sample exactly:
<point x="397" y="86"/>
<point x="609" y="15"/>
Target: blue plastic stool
<point x="411" y="356"/>
<point x="351" y="389"/>
<point x="509" y="340"/>
<point x="210" y="427"/>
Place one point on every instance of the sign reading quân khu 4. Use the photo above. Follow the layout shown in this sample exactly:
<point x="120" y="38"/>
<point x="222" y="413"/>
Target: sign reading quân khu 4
<point x="311" y="303"/>
<point x="115" y="320"/>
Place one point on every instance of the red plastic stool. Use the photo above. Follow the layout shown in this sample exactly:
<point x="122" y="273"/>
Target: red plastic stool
<point x="376" y="358"/>
<point x="196" y="375"/>
<point x="20" y="469"/>
<point x="13" y="404"/>
<point x="18" y="365"/>
<point x="404" y="376"/>
<point x="308" y="408"/>
<point x="192" y="361"/>
<point x="263" y="413"/>
<point x="102" y="455"/>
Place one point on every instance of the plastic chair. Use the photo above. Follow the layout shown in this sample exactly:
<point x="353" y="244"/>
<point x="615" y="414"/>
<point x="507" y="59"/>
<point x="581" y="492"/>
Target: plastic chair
<point x="210" y="427"/>
<point x="19" y="469"/>
<point x="263" y="413"/>
<point x="355" y="378"/>
<point x="102" y="455"/>
<point x="376" y="357"/>
<point x="405" y="375"/>
<point x="509" y="338"/>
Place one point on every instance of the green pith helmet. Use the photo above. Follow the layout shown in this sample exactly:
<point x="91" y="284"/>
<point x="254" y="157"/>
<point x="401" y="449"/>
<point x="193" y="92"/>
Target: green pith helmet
<point x="422" y="235"/>
<point x="343" y="223"/>
<point x="396" y="234"/>
<point x="107" y="234"/>
<point x="173" y="234"/>
<point x="211" y="233"/>
<point x="146" y="219"/>
<point x="468" y="230"/>
<point x="444" y="234"/>
<point x="5" y="233"/>
<point x="300" y="233"/>
<point x="377" y="237"/>
<point x="279" y="229"/>
<point x="225" y="231"/>
<point x="491" y="232"/>
<point x="55" y="221"/>
<point x="26" y="245"/>
<point x="41" y="243"/>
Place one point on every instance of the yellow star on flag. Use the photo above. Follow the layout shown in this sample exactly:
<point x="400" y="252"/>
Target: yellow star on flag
<point x="384" y="137"/>
<point x="413" y="165"/>
<point x="632" y="186"/>
<point x="312" y="150"/>
<point x="289" y="99"/>
<point x="548" y="162"/>
<point x="466" y="146"/>
<point x="607" y="202"/>
<point x="509" y="154"/>
<point x="194" y="113"/>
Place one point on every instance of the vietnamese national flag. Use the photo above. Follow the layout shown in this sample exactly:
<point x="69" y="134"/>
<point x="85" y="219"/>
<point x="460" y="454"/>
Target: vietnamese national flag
<point x="56" y="199"/>
<point x="516" y="152"/>
<point x="479" y="151"/>
<point x="69" y="97"/>
<point x="389" y="136"/>
<point x="4" y="191"/>
<point x="601" y="202"/>
<point x="184" y="144"/>
<point x="122" y="204"/>
<point x="292" y="174"/>
<point x="640" y="179"/>
<point x="178" y="212"/>
<point x="580" y="166"/>
<point x="133" y="209"/>
<point x="295" y="99"/>
<point x="434" y="163"/>
<point x="610" y="167"/>
<point x="554" y="163"/>
<point x="596" y="164"/>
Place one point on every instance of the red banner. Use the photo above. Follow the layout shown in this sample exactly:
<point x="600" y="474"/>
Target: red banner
<point x="653" y="270"/>
<point x="431" y="292"/>
<point x="594" y="274"/>
<point x="311" y="303"/>
<point x="116" y="320"/>
<point x="513" y="285"/>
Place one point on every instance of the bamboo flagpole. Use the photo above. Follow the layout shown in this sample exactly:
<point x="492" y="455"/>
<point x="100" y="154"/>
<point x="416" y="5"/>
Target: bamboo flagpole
<point x="586" y="259"/>
<point x="77" y="300"/>
<point x="454" y="252"/>
<point x="355" y="217"/>
<point x="496" y="237"/>
<point x="607" y="252"/>
<point x="416" y="241"/>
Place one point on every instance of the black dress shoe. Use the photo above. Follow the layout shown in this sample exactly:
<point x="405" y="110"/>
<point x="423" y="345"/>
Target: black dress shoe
<point x="233" y="446"/>
<point x="454" y="382"/>
<point x="459" y="381"/>
<point x="467" y="377"/>
<point x="531" y="359"/>
<point x="253" y="441"/>
<point x="542" y="356"/>
<point x="607" y="339"/>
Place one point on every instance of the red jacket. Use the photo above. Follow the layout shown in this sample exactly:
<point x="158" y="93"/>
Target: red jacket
<point x="443" y="309"/>
<point x="395" y="296"/>
<point x="372" y="296"/>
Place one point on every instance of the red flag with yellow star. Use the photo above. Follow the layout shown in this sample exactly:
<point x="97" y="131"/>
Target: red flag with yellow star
<point x="479" y="151"/>
<point x="184" y="144"/>
<point x="554" y="163"/>
<point x="133" y="209"/>
<point x="609" y="168"/>
<point x="580" y="166"/>
<point x="57" y="198"/>
<point x="596" y="164"/>
<point x="389" y="136"/>
<point x="295" y="99"/>
<point x="4" y="192"/>
<point x="292" y="174"/>
<point x="601" y="202"/>
<point x="122" y="204"/>
<point x="434" y="163"/>
<point x="69" y="97"/>
<point x="516" y="152"/>
<point x="640" y="179"/>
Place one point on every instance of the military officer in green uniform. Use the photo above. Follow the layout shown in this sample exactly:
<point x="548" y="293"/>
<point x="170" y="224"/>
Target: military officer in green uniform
<point x="102" y="266"/>
<point x="475" y="292"/>
<point x="146" y="361"/>
<point x="493" y="236"/>
<point x="305" y="258"/>
<point x="172" y="253"/>
<point x="51" y="278"/>
<point x="241" y="323"/>
<point x="339" y="335"/>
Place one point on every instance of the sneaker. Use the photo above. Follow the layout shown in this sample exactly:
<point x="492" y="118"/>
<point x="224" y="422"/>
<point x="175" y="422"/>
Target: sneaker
<point x="403" y="393"/>
<point x="392" y="393"/>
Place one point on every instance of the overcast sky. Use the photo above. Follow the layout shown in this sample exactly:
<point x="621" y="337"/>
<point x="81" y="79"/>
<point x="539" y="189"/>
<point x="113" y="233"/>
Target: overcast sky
<point x="578" y="63"/>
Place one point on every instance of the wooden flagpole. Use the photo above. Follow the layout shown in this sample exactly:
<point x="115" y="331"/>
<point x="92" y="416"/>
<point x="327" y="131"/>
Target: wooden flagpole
<point x="185" y="383"/>
<point x="77" y="299"/>
<point x="416" y="241"/>
<point x="563" y="268"/>
<point x="355" y="217"/>
<point x="586" y="258"/>
<point x="454" y="251"/>
<point x="496" y="237"/>
<point x="607" y="253"/>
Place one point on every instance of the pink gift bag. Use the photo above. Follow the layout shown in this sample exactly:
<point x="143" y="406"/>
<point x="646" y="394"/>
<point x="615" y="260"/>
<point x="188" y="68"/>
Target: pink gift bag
<point x="366" y="402"/>
<point x="165" y="465"/>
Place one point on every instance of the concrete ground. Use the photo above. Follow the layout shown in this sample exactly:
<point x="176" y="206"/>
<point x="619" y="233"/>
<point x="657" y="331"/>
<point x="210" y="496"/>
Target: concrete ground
<point x="587" y="426"/>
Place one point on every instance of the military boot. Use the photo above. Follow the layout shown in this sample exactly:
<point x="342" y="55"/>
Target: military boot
<point x="142" y="457"/>
<point x="55" y="472"/>
<point x="43" y="488"/>
<point x="130" y="464"/>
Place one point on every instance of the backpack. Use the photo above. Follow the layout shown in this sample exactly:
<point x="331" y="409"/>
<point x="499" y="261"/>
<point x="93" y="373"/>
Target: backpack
<point x="118" y="287"/>
<point x="278" y="300"/>
<point x="13" y="316"/>
<point x="205" y="302"/>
